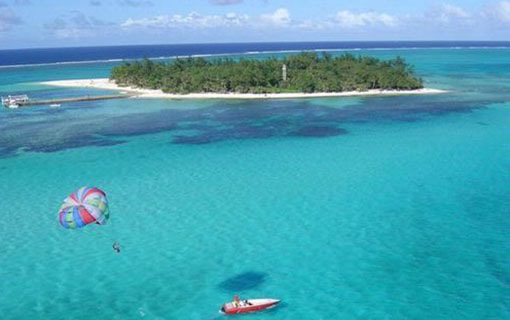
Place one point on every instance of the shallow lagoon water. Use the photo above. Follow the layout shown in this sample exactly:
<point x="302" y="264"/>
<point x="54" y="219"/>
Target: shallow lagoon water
<point x="349" y="208"/>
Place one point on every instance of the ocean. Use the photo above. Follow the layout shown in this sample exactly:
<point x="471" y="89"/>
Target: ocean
<point x="15" y="57"/>
<point x="344" y="208"/>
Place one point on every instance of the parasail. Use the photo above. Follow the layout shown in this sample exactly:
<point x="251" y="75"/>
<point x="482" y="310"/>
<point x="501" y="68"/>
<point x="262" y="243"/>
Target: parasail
<point x="83" y="207"/>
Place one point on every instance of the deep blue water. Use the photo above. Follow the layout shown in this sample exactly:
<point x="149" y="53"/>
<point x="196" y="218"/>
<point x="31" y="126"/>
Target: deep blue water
<point x="57" y="55"/>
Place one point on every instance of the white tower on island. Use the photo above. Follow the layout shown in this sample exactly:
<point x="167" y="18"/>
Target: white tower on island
<point x="284" y="73"/>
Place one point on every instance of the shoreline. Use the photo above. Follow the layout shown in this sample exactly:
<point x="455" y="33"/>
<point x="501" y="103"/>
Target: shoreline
<point x="106" y="84"/>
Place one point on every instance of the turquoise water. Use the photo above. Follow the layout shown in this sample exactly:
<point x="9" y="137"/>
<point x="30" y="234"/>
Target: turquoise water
<point x="351" y="208"/>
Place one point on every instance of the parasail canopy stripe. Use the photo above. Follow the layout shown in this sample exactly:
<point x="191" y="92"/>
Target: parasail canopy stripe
<point x="83" y="207"/>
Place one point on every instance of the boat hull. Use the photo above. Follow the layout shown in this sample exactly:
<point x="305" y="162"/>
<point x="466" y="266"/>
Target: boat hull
<point x="253" y="305"/>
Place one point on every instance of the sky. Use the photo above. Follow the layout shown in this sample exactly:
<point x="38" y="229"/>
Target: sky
<point x="69" y="23"/>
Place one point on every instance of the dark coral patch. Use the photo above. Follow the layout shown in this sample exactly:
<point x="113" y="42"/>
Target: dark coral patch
<point x="66" y="128"/>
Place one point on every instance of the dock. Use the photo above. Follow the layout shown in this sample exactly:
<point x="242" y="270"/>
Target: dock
<point x="23" y="101"/>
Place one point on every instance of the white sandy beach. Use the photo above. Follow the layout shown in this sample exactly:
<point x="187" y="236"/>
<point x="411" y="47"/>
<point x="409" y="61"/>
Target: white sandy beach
<point x="106" y="84"/>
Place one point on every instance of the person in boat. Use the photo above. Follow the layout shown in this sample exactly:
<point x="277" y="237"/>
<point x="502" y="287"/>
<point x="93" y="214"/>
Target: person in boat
<point x="116" y="247"/>
<point x="236" y="301"/>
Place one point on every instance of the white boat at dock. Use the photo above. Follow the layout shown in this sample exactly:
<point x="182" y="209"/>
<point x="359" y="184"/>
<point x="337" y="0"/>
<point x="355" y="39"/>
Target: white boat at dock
<point x="13" y="102"/>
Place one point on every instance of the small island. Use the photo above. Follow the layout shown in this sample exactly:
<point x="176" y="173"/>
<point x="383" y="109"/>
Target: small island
<point x="307" y="72"/>
<point x="304" y="75"/>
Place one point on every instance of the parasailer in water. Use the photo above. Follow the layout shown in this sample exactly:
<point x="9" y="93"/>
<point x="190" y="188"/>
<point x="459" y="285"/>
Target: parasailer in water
<point x="116" y="246"/>
<point x="83" y="207"/>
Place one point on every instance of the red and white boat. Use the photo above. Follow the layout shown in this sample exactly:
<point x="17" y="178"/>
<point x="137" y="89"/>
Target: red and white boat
<point x="251" y="305"/>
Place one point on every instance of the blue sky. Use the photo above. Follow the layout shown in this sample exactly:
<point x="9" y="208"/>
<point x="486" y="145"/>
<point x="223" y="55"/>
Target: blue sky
<point x="58" y="23"/>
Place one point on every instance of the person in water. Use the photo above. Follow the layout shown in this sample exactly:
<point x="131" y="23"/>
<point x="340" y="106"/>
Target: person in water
<point x="116" y="247"/>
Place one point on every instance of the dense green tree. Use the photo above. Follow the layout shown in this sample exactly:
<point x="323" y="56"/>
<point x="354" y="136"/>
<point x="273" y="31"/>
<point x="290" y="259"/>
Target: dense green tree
<point x="306" y="72"/>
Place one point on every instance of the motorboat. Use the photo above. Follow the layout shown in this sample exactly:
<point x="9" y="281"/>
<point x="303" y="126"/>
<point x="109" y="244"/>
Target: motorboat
<point x="247" y="306"/>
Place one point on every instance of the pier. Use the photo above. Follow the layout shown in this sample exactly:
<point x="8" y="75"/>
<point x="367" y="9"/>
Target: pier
<point x="23" y="101"/>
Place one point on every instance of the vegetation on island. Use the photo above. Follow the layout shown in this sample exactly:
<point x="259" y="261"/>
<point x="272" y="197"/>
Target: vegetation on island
<point x="305" y="72"/>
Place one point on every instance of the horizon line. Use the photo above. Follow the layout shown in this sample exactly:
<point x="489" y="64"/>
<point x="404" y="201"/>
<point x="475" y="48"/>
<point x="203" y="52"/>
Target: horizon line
<point x="257" y="42"/>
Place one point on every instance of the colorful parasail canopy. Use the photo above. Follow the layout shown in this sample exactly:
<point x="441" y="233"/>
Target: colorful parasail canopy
<point x="83" y="207"/>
